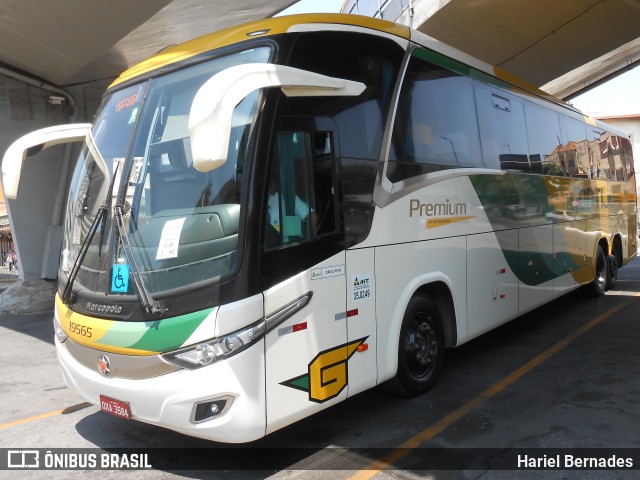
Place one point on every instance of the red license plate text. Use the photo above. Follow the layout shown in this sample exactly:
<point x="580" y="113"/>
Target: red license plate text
<point x="115" y="407"/>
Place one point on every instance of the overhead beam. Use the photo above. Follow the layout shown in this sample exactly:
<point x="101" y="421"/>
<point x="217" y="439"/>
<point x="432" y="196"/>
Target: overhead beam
<point x="537" y="41"/>
<point x="596" y="72"/>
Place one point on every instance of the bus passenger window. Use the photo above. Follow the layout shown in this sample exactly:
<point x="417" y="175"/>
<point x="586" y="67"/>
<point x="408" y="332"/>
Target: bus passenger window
<point x="609" y="154"/>
<point x="572" y="155"/>
<point x="502" y="129"/>
<point x="301" y="205"/>
<point x="543" y="133"/>
<point x="627" y="156"/>
<point x="435" y="125"/>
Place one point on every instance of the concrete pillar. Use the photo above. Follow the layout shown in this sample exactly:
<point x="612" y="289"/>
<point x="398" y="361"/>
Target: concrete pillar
<point x="36" y="216"/>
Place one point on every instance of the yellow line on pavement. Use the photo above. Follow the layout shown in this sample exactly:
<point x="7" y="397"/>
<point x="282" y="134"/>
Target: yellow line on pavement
<point x="430" y="432"/>
<point x="64" y="411"/>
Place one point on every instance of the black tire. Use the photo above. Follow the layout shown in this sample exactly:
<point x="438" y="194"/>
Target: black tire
<point x="599" y="284"/>
<point x="612" y="272"/>
<point x="420" y="347"/>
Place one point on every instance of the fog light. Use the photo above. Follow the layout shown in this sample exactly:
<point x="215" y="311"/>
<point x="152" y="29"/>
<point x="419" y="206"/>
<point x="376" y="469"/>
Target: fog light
<point x="210" y="409"/>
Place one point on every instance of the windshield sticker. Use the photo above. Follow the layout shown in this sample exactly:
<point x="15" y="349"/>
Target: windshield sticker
<point x="133" y="116"/>
<point x="170" y="239"/>
<point x="120" y="278"/>
<point x="76" y="237"/>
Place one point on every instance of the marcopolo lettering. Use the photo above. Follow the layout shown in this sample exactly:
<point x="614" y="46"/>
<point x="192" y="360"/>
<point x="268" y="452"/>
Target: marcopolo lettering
<point x="447" y="208"/>
<point x="102" y="308"/>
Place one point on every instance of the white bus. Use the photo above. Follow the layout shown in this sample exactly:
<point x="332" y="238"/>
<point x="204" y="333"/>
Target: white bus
<point x="267" y="220"/>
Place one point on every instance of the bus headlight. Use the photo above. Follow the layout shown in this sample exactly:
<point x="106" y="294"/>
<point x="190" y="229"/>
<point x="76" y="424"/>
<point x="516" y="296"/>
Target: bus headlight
<point x="206" y="353"/>
<point x="60" y="335"/>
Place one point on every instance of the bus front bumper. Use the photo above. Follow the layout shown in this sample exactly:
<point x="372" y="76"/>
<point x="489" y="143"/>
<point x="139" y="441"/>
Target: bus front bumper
<point x="170" y="400"/>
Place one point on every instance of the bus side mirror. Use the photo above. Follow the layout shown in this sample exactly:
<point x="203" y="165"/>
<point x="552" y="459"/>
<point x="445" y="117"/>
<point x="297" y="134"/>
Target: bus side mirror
<point x="212" y="107"/>
<point x="33" y="143"/>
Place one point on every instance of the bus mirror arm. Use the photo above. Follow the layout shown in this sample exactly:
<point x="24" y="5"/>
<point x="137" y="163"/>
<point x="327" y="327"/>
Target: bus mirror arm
<point x="210" y="118"/>
<point x="31" y="144"/>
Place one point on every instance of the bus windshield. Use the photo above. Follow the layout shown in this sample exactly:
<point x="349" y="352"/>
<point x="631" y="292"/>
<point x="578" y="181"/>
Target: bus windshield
<point x="182" y="224"/>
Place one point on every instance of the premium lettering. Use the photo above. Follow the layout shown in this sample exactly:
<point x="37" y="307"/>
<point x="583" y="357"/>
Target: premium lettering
<point x="436" y="209"/>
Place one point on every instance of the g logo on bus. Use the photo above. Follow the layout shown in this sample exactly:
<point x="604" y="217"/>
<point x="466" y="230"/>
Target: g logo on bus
<point x="104" y="365"/>
<point x="327" y="373"/>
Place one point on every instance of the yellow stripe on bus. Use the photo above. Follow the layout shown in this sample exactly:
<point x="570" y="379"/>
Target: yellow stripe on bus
<point x="88" y="331"/>
<point x="247" y="31"/>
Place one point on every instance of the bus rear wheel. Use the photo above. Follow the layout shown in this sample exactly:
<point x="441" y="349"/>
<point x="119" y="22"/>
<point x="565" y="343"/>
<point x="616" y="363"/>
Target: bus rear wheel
<point x="420" y="347"/>
<point x="612" y="272"/>
<point x="599" y="284"/>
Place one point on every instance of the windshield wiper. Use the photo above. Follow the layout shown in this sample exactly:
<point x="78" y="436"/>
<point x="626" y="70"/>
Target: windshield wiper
<point x="100" y="219"/>
<point x="146" y="300"/>
<point x="67" y="297"/>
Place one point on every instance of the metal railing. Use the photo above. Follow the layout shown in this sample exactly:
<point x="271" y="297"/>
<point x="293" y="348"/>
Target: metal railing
<point x="385" y="9"/>
<point x="7" y="275"/>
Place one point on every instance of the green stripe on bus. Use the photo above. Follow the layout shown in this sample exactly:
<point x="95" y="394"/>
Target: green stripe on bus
<point x="157" y="336"/>
<point x="459" y="67"/>
<point x="499" y="194"/>
<point x="442" y="61"/>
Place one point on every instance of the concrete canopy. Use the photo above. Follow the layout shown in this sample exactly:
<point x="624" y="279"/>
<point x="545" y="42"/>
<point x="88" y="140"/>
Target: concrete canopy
<point x="563" y="47"/>
<point x="543" y="41"/>
<point x="73" y="41"/>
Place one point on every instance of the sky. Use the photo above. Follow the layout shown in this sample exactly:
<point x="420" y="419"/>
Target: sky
<point x="619" y="96"/>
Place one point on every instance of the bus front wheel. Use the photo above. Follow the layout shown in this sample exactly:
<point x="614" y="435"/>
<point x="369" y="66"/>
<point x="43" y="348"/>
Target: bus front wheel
<point x="420" y="347"/>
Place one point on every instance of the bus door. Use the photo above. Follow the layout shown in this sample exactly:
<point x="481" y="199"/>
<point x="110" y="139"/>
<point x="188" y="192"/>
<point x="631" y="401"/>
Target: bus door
<point x="304" y="274"/>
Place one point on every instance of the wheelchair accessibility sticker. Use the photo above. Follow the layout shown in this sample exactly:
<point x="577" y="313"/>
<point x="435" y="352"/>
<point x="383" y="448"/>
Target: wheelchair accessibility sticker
<point x="120" y="278"/>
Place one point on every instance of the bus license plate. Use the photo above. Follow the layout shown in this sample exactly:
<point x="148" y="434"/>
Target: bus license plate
<point x="115" y="407"/>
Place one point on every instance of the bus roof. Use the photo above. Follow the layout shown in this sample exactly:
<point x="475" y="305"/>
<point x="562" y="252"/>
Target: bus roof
<point x="277" y="25"/>
<point x="259" y="28"/>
